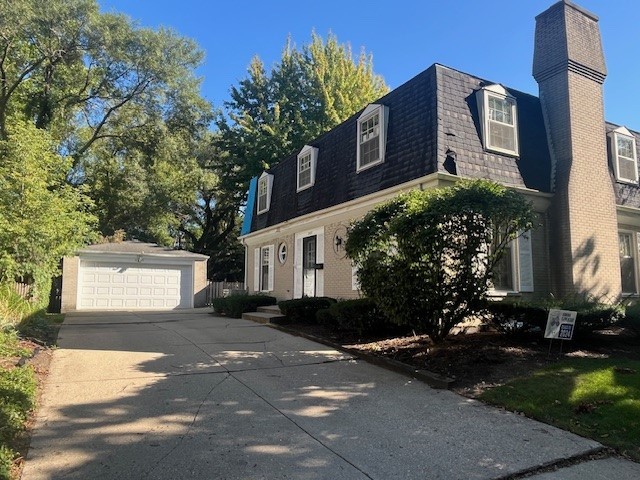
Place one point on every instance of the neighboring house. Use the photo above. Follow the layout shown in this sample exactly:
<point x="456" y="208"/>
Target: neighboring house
<point x="133" y="275"/>
<point x="579" y="171"/>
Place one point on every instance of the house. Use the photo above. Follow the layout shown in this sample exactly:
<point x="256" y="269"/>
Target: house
<point x="579" y="171"/>
<point x="133" y="275"/>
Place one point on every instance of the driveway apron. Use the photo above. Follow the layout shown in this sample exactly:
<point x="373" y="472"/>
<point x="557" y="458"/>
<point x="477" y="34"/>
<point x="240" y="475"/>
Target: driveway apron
<point x="186" y="394"/>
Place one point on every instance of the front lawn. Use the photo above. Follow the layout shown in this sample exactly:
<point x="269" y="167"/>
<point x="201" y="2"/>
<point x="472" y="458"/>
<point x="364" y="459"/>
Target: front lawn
<point x="596" y="398"/>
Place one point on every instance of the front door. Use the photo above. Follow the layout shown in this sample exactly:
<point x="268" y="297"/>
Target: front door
<point x="309" y="245"/>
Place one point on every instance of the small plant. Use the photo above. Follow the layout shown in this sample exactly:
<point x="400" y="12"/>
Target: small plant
<point x="303" y="310"/>
<point x="632" y="318"/>
<point x="235" y="305"/>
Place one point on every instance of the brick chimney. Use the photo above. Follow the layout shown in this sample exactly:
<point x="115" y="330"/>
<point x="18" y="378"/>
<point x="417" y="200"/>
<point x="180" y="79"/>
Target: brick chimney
<point x="569" y="66"/>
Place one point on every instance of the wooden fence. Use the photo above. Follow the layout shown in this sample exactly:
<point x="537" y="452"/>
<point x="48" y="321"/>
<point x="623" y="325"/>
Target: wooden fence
<point x="222" y="289"/>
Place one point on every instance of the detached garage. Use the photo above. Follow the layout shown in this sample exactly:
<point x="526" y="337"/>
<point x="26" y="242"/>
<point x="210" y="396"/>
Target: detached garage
<point x="133" y="276"/>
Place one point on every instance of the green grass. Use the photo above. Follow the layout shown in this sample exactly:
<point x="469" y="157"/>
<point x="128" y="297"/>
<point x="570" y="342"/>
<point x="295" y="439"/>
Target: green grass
<point x="9" y="344"/>
<point x="595" y="398"/>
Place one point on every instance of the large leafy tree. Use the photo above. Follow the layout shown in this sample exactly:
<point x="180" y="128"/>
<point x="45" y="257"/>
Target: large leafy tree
<point x="427" y="257"/>
<point x="309" y="91"/>
<point x="42" y="218"/>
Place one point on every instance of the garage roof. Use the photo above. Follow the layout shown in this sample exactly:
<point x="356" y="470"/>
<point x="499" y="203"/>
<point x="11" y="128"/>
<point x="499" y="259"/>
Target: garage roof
<point x="141" y="248"/>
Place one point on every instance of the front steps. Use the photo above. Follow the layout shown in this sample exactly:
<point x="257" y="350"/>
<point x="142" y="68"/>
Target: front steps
<point x="268" y="314"/>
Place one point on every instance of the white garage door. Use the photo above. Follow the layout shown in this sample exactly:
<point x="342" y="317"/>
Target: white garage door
<point x="111" y="286"/>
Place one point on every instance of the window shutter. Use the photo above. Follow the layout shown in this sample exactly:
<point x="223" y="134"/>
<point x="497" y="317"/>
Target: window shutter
<point x="297" y="268"/>
<point x="271" y="269"/>
<point x="525" y="262"/>
<point x="355" y="284"/>
<point x="256" y="270"/>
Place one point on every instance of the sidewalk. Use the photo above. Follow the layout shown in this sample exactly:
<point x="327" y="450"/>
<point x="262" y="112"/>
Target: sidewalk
<point x="189" y="395"/>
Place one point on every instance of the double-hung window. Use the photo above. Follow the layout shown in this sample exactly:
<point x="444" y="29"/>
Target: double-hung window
<point x="306" y="171"/>
<point x="628" y="267"/>
<point x="263" y="269"/>
<point x="513" y="272"/>
<point x="625" y="159"/>
<point x="265" y="184"/>
<point x="499" y="119"/>
<point x="372" y="136"/>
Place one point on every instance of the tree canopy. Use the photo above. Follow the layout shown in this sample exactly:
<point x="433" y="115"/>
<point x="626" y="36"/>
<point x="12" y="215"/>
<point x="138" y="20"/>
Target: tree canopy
<point x="427" y="257"/>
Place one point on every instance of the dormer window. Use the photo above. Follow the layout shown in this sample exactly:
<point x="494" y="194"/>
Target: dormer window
<point x="265" y="184"/>
<point x="307" y="159"/>
<point x="623" y="151"/>
<point x="372" y="136"/>
<point x="499" y="119"/>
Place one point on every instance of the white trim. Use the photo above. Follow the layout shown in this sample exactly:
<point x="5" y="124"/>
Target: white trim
<point x="297" y="261"/>
<point x="265" y="178"/>
<point x="482" y="96"/>
<point x="623" y="132"/>
<point x="383" y="120"/>
<point x="541" y="202"/>
<point x="256" y="269"/>
<point x="525" y="262"/>
<point x="313" y="152"/>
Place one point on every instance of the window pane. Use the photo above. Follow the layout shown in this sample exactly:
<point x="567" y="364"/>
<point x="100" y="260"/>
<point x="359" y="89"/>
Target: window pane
<point x="626" y="169"/>
<point x="265" y="269"/>
<point x="503" y="272"/>
<point x="627" y="263"/>
<point x="625" y="147"/>
<point x="500" y="110"/>
<point x="501" y="136"/>
<point x="262" y="194"/>
<point x="304" y="171"/>
<point x="369" y="152"/>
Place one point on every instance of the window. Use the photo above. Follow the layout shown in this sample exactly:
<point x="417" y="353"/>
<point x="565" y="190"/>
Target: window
<point x="514" y="271"/>
<point x="282" y="253"/>
<point x="265" y="184"/>
<point x="263" y="269"/>
<point x="628" y="262"/>
<point x="372" y="136"/>
<point x="307" y="159"/>
<point x="623" y="150"/>
<point x="498" y="114"/>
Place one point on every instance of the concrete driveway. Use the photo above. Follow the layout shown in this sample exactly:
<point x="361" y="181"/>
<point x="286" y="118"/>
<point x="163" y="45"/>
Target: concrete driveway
<point x="189" y="395"/>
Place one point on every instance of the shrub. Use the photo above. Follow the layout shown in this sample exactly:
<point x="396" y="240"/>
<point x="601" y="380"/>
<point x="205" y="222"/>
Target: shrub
<point x="235" y="305"/>
<point x="592" y="314"/>
<point x="360" y="316"/>
<point x="13" y="308"/>
<point x="303" y="310"/>
<point x="324" y="317"/>
<point x="423" y="255"/>
<point x="516" y="317"/>
<point x="632" y="318"/>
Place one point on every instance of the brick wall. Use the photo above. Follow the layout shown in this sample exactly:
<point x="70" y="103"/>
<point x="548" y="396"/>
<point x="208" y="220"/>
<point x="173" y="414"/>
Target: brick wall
<point x="70" y="269"/>
<point x="569" y="67"/>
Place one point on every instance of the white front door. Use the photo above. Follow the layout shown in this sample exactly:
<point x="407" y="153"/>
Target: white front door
<point x="308" y="265"/>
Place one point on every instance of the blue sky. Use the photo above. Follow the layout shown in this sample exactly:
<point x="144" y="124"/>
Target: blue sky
<point x="492" y="39"/>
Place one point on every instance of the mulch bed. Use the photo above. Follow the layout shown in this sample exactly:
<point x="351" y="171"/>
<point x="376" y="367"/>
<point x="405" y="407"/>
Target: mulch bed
<point x="478" y="361"/>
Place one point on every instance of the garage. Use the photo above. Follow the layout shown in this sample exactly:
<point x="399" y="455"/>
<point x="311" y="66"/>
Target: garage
<point x="133" y="276"/>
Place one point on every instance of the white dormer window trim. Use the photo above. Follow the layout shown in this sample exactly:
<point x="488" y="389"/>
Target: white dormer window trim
<point x="624" y="155"/>
<point x="265" y="187"/>
<point x="306" y="168"/>
<point x="372" y="126"/>
<point x="498" y="119"/>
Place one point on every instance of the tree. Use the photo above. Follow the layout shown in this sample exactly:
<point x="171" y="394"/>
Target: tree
<point x="427" y="257"/>
<point x="42" y="218"/>
<point x="271" y="115"/>
<point x="85" y="75"/>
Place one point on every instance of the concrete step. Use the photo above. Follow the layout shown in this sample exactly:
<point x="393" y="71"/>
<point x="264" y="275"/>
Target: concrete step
<point x="262" y="317"/>
<point x="270" y="309"/>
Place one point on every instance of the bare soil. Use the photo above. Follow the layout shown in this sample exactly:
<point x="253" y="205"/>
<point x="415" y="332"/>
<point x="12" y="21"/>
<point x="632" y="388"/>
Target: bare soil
<point x="478" y="361"/>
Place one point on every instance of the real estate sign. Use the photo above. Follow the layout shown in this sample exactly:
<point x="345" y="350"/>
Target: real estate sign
<point x="560" y="324"/>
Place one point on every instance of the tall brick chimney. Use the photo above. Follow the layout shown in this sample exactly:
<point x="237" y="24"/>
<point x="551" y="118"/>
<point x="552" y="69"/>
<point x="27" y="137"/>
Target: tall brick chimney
<point x="569" y="66"/>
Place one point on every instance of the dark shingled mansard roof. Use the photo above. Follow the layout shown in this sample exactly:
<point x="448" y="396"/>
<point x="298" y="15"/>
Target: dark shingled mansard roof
<point x="432" y="116"/>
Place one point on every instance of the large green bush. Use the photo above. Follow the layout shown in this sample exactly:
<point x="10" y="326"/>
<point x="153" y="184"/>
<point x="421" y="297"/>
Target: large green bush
<point x="235" y="305"/>
<point x="360" y="316"/>
<point x="303" y="310"/>
<point x="425" y="257"/>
